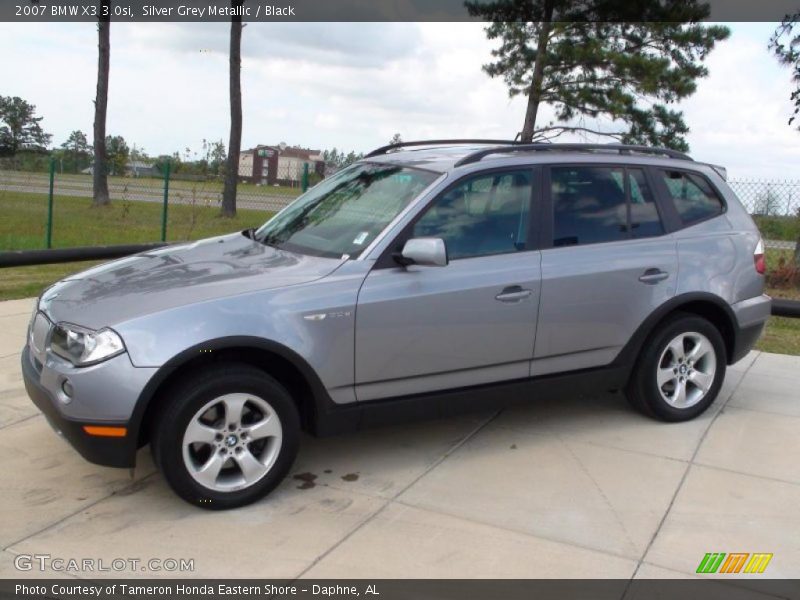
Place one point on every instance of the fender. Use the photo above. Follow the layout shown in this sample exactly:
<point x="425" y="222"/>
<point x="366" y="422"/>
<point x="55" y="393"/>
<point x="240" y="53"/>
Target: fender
<point x="322" y="402"/>
<point x="631" y="351"/>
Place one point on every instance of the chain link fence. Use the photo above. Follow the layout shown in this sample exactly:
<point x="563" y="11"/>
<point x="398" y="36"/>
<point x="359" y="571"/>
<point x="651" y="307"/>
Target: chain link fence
<point x="146" y="206"/>
<point x="149" y="206"/>
<point x="768" y="198"/>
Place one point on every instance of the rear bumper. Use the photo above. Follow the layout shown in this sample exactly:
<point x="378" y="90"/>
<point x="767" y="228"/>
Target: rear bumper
<point x="106" y="451"/>
<point x="751" y="318"/>
<point x="745" y="340"/>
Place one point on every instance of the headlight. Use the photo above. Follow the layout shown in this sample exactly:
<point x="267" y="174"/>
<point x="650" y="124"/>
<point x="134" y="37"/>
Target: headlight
<point x="84" y="347"/>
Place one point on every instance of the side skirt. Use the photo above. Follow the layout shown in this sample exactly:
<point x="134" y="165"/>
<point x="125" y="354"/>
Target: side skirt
<point x="336" y="419"/>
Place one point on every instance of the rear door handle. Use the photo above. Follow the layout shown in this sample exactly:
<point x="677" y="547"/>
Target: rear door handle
<point x="513" y="293"/>
<point x="653" y="276"/>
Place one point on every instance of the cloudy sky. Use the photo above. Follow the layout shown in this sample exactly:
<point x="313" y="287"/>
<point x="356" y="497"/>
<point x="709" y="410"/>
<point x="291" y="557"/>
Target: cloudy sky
<point x="352" y="86"/>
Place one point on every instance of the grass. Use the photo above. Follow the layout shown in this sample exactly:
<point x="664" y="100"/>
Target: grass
<point x="123" y="222"/>
<point x="27" y="282"/>
<point x="77" y="224"/>
<point x="778" y="228"/>
<point x="781" y="336"/>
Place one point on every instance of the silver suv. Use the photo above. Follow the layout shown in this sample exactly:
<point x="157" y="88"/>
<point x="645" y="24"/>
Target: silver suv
<point x="425" y="279"/>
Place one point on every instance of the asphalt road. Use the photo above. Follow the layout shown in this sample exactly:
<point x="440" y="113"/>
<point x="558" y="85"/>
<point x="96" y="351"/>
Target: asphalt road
<point x="148" y="190"/>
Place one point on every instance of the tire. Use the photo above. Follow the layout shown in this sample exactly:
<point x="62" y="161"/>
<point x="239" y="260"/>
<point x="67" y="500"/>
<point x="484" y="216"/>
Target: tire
<point x="680" y="371"/>
<point x="215" y="459"/>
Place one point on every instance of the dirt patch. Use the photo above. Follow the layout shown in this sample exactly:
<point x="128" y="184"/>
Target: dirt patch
<point x="350" y="477"/>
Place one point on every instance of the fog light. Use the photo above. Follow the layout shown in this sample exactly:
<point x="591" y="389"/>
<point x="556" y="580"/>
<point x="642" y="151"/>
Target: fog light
<point x="66" y="387"/>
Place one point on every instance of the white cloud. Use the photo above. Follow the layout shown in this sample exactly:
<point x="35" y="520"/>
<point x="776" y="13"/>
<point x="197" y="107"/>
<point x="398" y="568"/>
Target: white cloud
<point x="354" y="85"/>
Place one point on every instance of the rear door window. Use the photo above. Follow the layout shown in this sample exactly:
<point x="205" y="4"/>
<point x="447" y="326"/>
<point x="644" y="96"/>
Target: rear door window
<point x="601" y="204"/>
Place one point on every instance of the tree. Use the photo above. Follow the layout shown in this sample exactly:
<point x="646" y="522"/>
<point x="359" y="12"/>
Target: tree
<point x="235" y="141"/>
<point x="396" y="139"/>
<point x="340" y="160"/>
<point x="117" y="153"/>
<point x="785" y="43"/>
<point x="100" y="195"/>
<point x="601" y="59"/>
<point x="214" y="158"/>
<point x="77" y="150"/>
<point x="20" y="128"/>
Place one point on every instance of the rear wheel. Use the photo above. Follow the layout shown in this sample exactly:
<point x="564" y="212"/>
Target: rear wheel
<point x="680" y="372"/>
<point x="226" y="438"/>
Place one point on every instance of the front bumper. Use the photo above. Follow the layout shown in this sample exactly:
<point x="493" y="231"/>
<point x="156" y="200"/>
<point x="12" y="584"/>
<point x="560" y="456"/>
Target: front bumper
<point x="106" y="451"/>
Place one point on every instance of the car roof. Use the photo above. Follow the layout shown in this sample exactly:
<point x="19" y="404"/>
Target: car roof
<point x="447" y="158"/>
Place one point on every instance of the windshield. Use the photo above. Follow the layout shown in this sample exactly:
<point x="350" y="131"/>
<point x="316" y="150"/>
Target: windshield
<point x="341" y="215"/>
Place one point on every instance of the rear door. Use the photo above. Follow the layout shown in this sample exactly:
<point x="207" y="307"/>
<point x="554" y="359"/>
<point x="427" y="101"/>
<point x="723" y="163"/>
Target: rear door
<point x="608" y="266"/>
<point x="420" y="329"/>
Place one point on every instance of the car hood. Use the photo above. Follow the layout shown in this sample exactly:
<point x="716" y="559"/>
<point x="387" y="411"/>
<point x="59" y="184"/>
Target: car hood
<point x="177" y="275"/>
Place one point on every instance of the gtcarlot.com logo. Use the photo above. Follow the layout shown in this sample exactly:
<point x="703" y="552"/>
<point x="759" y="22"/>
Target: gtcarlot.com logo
<point x="47" y="562"/>
<point x="734" y="562"/>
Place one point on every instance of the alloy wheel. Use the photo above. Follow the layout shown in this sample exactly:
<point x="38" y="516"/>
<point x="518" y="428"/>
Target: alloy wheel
<point x="232" y="442"/>
<point x="686" y="370"/>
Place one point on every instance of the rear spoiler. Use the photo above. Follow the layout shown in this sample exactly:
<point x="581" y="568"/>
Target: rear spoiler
<point x="721" y="171"/>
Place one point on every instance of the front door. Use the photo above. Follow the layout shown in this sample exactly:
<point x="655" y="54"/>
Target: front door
<point x="471" y="322"/>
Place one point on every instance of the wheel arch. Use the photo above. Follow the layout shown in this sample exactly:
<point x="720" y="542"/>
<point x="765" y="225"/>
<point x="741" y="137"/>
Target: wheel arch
<point x="280" y="362"/>
<point x="709" y="306"/>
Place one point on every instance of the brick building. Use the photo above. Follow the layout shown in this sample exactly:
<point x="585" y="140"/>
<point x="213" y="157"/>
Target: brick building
<point x="278" y="165"/>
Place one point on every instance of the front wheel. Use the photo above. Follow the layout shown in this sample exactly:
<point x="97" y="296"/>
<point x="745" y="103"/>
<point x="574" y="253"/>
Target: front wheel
<point x="227" y="437"/>
<point x="680" y="372"/>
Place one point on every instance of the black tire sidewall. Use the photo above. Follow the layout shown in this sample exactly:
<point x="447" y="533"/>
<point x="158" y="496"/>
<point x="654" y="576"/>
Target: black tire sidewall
<point x="193" y="395"/>
<point x="645" y="388"/>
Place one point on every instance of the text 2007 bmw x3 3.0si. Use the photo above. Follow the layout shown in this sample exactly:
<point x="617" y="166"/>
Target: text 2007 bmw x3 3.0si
<point x="422" y="280"/>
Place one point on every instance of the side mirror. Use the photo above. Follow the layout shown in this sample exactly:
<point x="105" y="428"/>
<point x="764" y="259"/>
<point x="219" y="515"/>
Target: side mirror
<point x="428" y="252"/>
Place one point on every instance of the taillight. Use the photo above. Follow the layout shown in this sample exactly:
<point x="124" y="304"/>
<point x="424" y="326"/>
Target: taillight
<point x="758" y="258"/>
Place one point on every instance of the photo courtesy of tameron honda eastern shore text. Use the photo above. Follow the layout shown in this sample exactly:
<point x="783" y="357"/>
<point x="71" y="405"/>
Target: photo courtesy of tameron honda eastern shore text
<point x="426" y="279"/>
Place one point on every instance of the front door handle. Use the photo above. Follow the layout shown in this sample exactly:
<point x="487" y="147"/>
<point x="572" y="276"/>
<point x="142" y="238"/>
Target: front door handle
<point x="653" y="276"/>
<point x="513" y="293"/>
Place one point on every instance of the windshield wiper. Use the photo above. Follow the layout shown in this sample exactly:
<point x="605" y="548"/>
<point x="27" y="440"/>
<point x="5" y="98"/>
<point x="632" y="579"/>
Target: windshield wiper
<point x="266" y="240"/>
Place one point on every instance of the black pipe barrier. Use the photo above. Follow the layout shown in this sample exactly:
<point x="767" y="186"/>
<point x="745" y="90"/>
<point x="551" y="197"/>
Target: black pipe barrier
<point x="26" y="258"/>
<point x="786" y="308"/>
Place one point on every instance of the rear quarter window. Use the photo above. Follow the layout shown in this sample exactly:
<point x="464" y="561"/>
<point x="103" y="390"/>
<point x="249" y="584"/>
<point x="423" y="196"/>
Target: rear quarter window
<point x="693" y="197"/>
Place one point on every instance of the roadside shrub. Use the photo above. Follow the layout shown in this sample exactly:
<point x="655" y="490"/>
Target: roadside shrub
<point x="785" y="275"/>
<point x="786" y="228"/>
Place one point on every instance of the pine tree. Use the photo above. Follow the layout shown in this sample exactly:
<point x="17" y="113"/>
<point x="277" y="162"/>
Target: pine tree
<point x="601" y="59"/>
<point x="785" y="43"/>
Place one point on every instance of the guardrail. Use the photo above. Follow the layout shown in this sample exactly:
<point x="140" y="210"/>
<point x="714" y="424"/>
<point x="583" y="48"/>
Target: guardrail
<point x="786" y="308"/>
<point x="27" y="258"/>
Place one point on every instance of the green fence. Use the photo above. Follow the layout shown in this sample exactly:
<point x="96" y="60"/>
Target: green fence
<point x="54" y="209"/>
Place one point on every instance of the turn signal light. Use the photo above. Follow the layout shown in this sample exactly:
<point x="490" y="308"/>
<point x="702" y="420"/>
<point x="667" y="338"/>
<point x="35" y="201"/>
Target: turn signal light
<point x="104" y="431"/>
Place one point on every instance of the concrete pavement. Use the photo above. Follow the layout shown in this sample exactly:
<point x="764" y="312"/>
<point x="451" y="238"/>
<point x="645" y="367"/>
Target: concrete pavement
<point x="573" y="488"/>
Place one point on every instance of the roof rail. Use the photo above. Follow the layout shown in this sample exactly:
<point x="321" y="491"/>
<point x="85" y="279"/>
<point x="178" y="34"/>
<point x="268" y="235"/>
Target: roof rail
<point x="388" y="148"/>
<point x="620" y="148"/>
